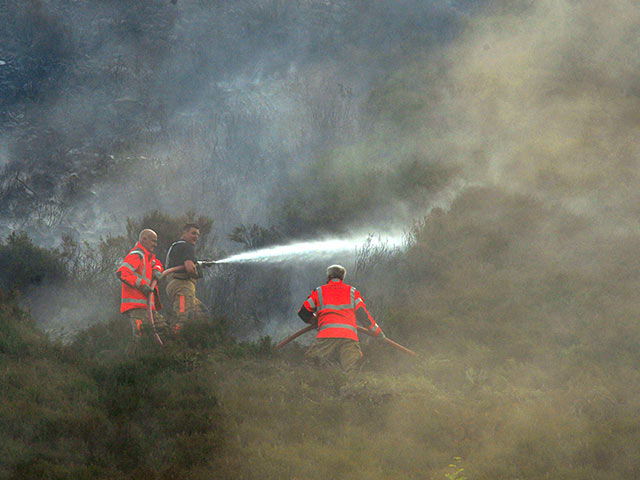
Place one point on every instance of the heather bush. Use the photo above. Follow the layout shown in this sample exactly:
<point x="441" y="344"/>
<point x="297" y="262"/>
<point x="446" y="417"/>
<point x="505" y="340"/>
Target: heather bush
<point x="24" y="264"/>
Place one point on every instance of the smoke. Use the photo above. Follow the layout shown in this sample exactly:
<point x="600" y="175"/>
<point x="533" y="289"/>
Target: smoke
<point x="236" y="111"/>
<point x="319" y="118"/>
<point x="518" y="119"/>
<point x="545" y="103"/>
<point x="200" y="106"/>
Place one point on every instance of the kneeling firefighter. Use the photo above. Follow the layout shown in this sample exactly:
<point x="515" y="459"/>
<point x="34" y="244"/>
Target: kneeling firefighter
<point x="337" y="308"/>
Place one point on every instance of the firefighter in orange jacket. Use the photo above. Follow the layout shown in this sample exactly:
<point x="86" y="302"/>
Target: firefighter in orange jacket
<point x="337" y="308"/>
<point x="136" y="273"/>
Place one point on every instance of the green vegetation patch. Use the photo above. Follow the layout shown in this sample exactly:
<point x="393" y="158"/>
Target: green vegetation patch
<point x="69" y="413"/>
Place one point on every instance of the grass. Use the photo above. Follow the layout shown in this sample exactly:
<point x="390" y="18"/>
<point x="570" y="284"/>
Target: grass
<point x="245" y="412"/>
<point x="301" y="424"/>
<point x="527" y="370"/>
<point x="67" y="413"/>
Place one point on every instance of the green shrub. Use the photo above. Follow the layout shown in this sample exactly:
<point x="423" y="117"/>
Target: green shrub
<point x="18" y="333"/>
<point x="23" y="264"/>
<point x="205" y="334"/>
<point x="166" y="414"/>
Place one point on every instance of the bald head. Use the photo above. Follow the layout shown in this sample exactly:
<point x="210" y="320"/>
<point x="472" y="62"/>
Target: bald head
<point x="148" y="239"/>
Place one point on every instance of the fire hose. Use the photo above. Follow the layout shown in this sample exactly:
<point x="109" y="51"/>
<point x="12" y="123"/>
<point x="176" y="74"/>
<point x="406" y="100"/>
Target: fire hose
<point x="388" y="341"/>
<point x="154" y="283"/>
<point x="360" y="329"/>
<point x="294" y="336"/>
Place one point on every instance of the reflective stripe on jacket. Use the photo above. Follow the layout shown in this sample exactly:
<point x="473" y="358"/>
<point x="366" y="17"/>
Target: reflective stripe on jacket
<point x="336" y="305"/>
<point x="137" y="270"/>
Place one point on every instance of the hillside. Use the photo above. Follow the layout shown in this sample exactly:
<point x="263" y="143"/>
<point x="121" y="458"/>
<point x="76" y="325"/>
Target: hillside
<point x="497" y="139"/>
<point x="242" y="412"/>
<point x="527" y="369"/>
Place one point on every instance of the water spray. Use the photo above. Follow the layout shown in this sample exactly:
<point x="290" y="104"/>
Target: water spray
<point x="315" y="249"/>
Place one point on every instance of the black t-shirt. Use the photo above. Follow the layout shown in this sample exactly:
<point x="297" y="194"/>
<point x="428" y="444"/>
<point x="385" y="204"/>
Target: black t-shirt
<point x="179" y="253"/>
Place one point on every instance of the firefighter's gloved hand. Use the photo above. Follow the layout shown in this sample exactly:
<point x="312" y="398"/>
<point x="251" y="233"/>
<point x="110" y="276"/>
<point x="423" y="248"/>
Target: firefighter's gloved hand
<point x="146" y="289"/>
<point x="157" y="275"/>
<point x="160" y="322"/>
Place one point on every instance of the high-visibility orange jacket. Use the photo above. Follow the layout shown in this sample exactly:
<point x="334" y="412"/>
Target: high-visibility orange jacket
<point x="137" y="270"/>
<point x="338" y="308"/>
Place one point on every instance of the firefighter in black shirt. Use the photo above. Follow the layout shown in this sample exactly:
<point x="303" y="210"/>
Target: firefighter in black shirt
<point x="181" y="288"/>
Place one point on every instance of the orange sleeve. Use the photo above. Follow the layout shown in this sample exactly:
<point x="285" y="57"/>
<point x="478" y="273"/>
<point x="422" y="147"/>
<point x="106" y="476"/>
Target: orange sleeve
<point x="364" y="317"/>
<point x="128" y="271"/>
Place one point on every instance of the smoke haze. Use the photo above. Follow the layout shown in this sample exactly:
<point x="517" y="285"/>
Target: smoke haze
<point x="320" y="118"/>
<point x="500" y="137"/>
<point x="219" y="108"/>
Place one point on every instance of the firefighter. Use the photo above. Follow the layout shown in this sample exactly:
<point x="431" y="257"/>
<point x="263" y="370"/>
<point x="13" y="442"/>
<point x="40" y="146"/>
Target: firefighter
<point x="181" y="288"/>
<point x="136" y="273"/>
<point x="337" y="308"/>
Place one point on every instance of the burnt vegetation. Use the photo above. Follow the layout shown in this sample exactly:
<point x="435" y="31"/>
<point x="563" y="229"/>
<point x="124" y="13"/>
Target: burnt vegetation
<point x="115" y="99"/>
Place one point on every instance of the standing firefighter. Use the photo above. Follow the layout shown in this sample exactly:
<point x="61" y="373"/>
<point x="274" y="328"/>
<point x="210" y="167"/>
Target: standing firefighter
<point x="182" y="285"/>
<point x="136" y="273"/>
<point x="337" y="308"/>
